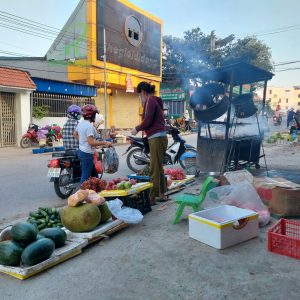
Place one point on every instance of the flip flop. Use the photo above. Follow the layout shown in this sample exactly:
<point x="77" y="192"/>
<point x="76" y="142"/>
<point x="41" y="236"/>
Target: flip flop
<point x="165" y="199"/>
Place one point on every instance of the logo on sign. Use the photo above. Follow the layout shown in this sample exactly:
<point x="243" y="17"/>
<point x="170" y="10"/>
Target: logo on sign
<point x="133" y="31"/>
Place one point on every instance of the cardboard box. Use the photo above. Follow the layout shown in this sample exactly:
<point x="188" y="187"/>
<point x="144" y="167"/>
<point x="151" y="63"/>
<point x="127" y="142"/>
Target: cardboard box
<point x="223" y="226"/>
<point x="280" y="195"/>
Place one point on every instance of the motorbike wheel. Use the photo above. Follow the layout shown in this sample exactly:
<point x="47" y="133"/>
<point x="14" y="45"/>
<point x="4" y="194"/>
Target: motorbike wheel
<point x="25" y="142"/>
<point x="181" y="162"/>
<point x="133" y="164"/>
<point x="61" y="185"/>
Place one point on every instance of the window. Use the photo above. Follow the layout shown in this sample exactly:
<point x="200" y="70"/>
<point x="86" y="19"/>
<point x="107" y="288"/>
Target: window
<point x="270" y="92"/>
<point x="57" y="104"/>
<point x="287" y="91"/>
<point x="298" y="95"/>
<point x="286" y="107"/>
<point x="298" y="103"/>
<point x="287" y="101"/>
<point x="279" y="101"/>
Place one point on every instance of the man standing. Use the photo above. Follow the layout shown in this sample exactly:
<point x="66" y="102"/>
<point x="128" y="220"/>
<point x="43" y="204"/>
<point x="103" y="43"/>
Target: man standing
<point x="99" y="124"/>
<point x="187" y="120"/>
<point x="290" y="116"/>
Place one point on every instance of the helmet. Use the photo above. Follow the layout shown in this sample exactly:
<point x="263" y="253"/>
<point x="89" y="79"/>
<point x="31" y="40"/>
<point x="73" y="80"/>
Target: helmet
<point x="74" y="109"/>
<point x="89" y="111"/>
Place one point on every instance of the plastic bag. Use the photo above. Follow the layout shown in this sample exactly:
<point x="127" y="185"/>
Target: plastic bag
<point x="111" y="161"/>
<point x="125" y="214"/>
<point x="242" y="195"/>
<point x="97" y="163"/>
<point x="94" y="198"/>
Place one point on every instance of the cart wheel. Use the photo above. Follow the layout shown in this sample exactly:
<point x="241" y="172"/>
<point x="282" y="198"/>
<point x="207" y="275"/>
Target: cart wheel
<point x="257" y="166"/>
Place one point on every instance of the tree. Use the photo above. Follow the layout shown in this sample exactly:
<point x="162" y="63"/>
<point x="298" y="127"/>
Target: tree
<point x="184" y="58"/>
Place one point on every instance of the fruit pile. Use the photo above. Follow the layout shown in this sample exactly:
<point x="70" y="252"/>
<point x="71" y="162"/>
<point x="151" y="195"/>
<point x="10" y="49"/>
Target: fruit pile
<point x="175" y="174"/>
<point x="95" y="184"/>
<point x="120" y="184"/>
<point x="29" y="247"/>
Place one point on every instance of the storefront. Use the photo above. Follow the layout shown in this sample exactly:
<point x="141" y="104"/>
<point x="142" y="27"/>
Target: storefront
<point x="131" y="41"/>
<point x="174" y="98"/>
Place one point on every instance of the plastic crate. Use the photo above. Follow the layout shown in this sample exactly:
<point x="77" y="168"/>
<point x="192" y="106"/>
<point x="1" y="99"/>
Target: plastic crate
<point x="284" y="238"/>
<point x="137" y="197"/>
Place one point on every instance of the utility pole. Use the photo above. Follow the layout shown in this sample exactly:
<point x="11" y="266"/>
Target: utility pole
<point x="105" y="82"/>
<point x="212" y="42"/>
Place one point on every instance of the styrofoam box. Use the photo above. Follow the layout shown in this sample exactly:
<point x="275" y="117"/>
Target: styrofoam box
<point x="223" y="226"/>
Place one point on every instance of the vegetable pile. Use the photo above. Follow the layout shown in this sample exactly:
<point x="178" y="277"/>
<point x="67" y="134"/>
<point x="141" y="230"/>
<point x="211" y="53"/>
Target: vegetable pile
<point x="45" y="218"/>
<point x="27" y="247"/>
<point x="175" y="174"/>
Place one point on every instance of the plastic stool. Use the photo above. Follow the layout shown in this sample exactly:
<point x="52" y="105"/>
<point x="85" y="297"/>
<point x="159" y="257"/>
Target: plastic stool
<point x="193" y="200"/>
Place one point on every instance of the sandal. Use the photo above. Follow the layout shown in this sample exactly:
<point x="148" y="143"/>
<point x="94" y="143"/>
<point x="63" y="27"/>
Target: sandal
<point x="163" y="199"/>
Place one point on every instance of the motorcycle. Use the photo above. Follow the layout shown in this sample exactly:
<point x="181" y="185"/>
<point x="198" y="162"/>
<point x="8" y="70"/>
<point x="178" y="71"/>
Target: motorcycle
<point x="34" y="134"/>
<point x="64" y="171"/>
<point x="277" y="120"/>
<point x="138" y="156"/>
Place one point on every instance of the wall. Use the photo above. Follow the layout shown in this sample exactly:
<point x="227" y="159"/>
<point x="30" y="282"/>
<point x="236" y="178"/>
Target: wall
<point x="22" y="114"/>
<point x="38" y="67"/>
<point x="125" y="108"/>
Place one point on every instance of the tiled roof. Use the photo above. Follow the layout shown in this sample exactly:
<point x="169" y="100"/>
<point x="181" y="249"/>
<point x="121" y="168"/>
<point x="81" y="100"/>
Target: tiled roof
<point x="15" y="78"/>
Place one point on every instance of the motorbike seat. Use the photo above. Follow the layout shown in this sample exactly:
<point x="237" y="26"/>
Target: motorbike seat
<point x="137" y="139"/>
<point x="67" y="153"/>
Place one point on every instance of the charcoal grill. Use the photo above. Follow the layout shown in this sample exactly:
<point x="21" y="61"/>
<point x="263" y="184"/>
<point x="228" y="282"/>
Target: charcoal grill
<point x="229" y="152"/>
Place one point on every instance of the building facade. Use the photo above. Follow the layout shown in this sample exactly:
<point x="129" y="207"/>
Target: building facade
<point x="283" y="97"/>
<point x="15" y="89"/>
<point x="110" y="44"/>
<point x="111" y="41"/>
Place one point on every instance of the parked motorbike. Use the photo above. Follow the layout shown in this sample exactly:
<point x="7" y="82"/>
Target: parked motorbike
<point x="138" y="157"/>
<point x="34" y="134"/>
<point x="64" y="171"/>
<point x="277" y="120"/>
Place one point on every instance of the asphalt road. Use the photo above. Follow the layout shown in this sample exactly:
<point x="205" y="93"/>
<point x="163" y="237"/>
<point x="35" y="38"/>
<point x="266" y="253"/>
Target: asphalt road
<point x="24" y="185"/>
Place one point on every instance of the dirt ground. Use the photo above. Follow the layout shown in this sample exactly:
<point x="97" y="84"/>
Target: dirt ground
<point x="157" y="260"/>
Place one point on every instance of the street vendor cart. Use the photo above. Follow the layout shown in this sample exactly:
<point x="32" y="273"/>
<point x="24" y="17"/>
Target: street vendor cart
<point x="229" y="130"/>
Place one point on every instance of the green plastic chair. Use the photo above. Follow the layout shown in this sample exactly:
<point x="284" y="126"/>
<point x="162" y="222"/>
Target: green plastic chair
<point x="193" y="201"/>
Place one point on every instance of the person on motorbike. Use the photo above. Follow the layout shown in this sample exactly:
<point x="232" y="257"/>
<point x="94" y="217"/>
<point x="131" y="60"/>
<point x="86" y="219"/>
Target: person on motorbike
<point x="73" y="115"/>
<point x="153" y="123"/>
<point x="86" y="134"/>
<point x="296" y="125"/>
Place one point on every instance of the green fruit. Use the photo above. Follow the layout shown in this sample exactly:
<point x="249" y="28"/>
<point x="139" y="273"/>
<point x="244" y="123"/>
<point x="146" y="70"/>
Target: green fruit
<point x="24" y="233"/>
<point x="10" y="253"/>
<point x="127" y="185"/>
<point x="37" y="252"/>
<point x="82" y="218"/>
<point x="39" y="237"/>
<point x="105" y="213"/>
<point x="57" y="235"/>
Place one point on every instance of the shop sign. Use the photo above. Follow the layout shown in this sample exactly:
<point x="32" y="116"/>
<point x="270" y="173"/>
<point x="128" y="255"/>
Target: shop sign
<point x="132" y="39"/>
<point x="129" y="84"/>
<point x="172" y="93"/>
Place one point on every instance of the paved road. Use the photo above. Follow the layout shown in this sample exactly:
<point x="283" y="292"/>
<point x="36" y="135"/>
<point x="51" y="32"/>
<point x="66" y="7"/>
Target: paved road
<point x="24" y="185"/>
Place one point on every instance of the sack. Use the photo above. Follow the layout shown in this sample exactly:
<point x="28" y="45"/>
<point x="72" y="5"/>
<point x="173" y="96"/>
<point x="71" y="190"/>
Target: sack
<point x="111" y="161"/>
<point x="242" y="195"/>
<point x="125" y="214"/>
<point x="97" y="163"/>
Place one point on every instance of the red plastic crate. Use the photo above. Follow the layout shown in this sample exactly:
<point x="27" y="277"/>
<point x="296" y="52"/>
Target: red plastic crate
<point x="284" y="238"/>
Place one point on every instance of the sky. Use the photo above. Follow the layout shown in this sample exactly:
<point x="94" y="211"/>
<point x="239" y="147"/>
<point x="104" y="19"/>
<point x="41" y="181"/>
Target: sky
<point x="238" y="17"/>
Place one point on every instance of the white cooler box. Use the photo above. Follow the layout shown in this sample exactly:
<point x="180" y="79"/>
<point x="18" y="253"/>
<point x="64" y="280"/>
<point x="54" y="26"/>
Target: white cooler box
<point x="223" y="226"/>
